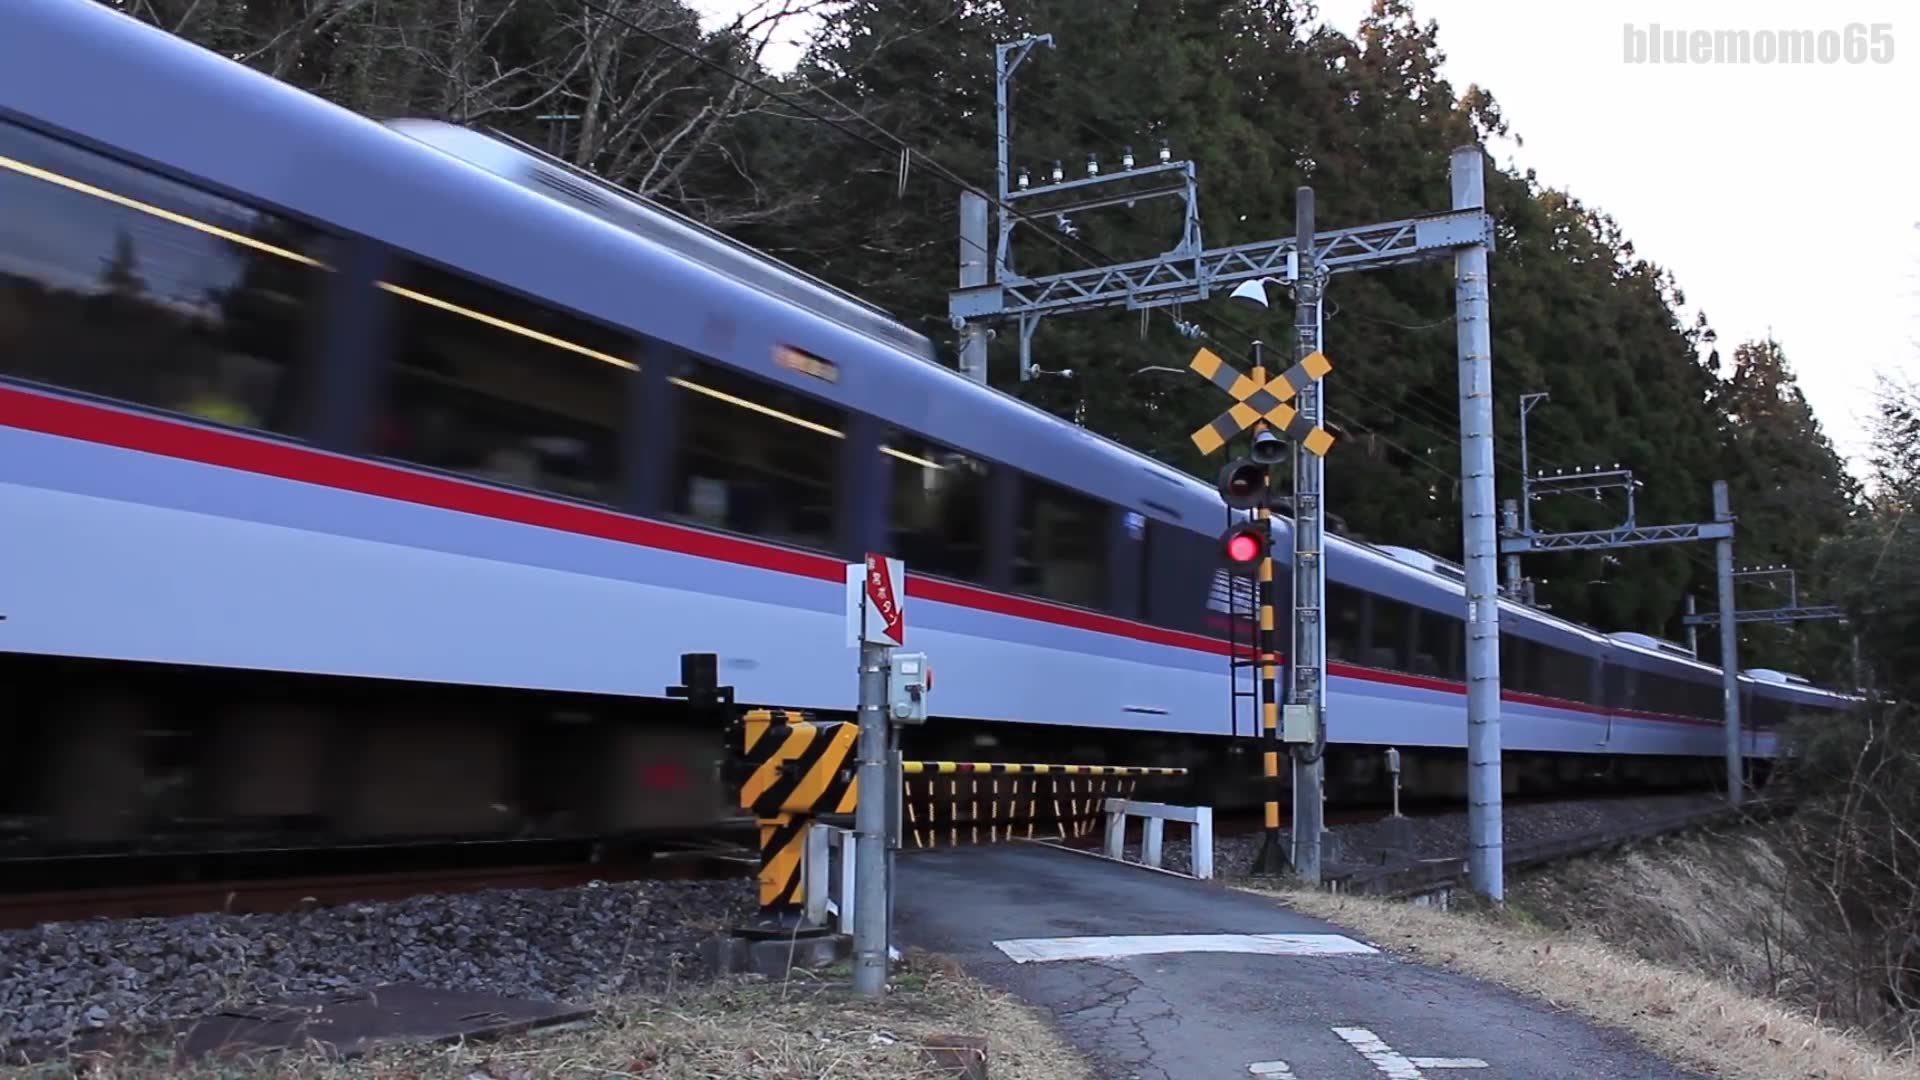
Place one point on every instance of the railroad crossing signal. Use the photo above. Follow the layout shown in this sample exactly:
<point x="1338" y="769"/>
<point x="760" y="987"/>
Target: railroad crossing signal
<point x="1244" y="546"/>
<point x="1255" y="401"/>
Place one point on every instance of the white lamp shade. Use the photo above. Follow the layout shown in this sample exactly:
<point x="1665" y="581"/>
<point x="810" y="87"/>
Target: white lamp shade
<point x="1253" y="292"/>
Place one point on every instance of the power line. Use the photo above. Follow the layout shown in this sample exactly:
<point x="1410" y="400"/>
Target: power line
<point x="908" y="154"/>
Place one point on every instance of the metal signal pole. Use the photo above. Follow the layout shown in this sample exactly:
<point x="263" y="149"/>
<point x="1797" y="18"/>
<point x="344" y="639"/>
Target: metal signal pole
<point x="870" y="828"/>
<point x="1308" y="655"/>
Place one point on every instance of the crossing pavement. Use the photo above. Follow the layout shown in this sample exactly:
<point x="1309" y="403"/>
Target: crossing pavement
<point x="1157" y="977"/>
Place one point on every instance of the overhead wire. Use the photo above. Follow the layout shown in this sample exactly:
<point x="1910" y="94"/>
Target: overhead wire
<point x="908" y="155"/>
<point x="1507" y="449"/>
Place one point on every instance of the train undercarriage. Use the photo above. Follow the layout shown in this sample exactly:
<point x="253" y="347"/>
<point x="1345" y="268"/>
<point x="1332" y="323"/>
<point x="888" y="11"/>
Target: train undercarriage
<point x="113" y="757"/>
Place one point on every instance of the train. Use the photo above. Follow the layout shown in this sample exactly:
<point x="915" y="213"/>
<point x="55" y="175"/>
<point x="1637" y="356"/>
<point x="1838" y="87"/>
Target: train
<point x="370" y="478"/>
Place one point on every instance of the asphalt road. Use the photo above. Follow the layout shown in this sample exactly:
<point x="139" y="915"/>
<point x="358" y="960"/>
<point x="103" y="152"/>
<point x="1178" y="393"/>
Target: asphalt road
<point x="1312" y="1003"/>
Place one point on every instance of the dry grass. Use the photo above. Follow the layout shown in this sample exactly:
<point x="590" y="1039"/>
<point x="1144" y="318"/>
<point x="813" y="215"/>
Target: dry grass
<point x="1692" y="985"/>
<point x="809" y="1028"/>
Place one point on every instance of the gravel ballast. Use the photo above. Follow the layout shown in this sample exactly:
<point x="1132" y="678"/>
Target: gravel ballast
<point x="573" y="944"/>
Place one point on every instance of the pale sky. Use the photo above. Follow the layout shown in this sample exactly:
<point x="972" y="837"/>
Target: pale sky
<point x="1784" y="198"/>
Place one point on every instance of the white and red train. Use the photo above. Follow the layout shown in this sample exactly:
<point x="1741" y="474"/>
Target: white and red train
<point x="376" y="476"/>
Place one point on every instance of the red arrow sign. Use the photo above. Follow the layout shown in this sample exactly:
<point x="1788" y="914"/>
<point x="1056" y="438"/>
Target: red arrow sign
<point x="880" y="593"/>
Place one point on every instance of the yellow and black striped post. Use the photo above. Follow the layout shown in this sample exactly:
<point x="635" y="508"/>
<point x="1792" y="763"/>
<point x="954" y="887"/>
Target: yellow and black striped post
<point x="1269" y="673"/>
<point x="797" y="769"/>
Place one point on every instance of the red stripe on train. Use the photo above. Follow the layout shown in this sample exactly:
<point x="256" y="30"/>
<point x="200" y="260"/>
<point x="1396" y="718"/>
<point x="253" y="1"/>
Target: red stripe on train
<point x="248" y="453"/>
<point x="188" y="441"/>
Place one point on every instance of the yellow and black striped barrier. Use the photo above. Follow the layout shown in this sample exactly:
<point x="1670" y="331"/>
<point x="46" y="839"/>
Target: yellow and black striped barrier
<point x="915" y="768"/>
<point x="796" y="769"/>
<point x="943" y="799"/>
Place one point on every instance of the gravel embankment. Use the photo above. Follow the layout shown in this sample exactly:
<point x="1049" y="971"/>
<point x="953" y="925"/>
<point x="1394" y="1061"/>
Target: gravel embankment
<point x="1436" y="836"/>
<point x="558" y="944"/>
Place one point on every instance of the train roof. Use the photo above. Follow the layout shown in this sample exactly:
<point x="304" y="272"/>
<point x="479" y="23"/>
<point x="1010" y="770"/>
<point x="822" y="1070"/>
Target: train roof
<point x="514" y="216"/>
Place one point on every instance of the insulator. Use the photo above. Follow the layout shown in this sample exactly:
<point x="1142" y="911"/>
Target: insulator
<point x="1058" y="173"/>
<point x="1166" y="152"/>
<point x="1023" y="179"/>
<point x="1126" y="158"/>
<point x="1093" y="165"/>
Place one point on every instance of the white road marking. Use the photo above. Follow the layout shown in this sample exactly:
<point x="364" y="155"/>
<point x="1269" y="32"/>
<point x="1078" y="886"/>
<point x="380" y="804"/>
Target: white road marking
<point x="1272" y="1070"/>
<point x="1392" y="1063"/>
<point x="1027" y="950"/>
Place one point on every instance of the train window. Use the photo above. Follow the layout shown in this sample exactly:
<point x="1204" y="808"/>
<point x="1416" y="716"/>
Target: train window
<point x="494" y="386"/>
<point x="1387" y="645"/>
<point x="1662" y="694"/>
<point x="1707" y="700"/>
<point x="1343" y="622"/>
<point x="938" y="510"/>
<point x="1060" y="545"/>
<point x="118" y="282"/>
<point x="1619" y="686"/>
<point x="756" y="458"/>
<point x="1518" y="664"/>
<point x="1564" y="674"/>
<point x="1184" y="588"/>
<point x="1439" y="652"/>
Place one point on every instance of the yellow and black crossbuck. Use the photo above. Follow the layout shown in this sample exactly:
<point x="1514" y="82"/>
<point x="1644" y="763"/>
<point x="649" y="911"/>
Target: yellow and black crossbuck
<point x="1258" y="398"/>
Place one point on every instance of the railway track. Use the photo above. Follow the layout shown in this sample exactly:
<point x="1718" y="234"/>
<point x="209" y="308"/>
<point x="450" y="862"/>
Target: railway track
<point x="45" y="889"/>
<point x="59" y="889"/>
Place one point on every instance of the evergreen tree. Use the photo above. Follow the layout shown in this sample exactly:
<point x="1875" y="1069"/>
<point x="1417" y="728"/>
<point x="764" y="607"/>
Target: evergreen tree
<point x="1262" y="103"/>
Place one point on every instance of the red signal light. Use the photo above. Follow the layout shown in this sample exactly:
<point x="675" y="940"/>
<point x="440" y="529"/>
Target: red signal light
<point x="1243" y="547"/>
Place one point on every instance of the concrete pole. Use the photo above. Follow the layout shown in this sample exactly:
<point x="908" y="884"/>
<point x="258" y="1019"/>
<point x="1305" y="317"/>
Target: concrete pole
<point x="1308" y="660"/>
<point x="1474" y="341"/>
<point x="870" y="829"/>
<point x="974" y="258"/>
<point x="1729" y="645"/>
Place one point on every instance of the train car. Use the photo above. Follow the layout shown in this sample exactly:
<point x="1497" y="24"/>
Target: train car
<point x="371" y="478"/>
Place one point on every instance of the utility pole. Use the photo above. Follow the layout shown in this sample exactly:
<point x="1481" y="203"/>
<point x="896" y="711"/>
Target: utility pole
<point x="1632" y="534"/>
<point x="1486" y="862"/>
<point x="1191" y="273"/>
<point x="1307" y="686"/>
<point x="1516" y="515"/>
<point x="1056" y="197"/>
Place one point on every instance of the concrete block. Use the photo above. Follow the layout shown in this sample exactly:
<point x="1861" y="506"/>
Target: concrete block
<point x="957" y="1057"/>
<point x="724" y="954"/>
<point x="1398" y="835"/>
<point x="774" y="958"/>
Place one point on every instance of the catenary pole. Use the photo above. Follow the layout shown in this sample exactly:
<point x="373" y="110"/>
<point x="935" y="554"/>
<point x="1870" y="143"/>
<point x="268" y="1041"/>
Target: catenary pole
<point x="1308" y="660"/>
<point x="1729" y="643"/>
<point x="1474" y="339"/>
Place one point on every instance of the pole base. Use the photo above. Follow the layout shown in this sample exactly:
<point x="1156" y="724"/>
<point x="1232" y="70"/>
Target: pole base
<point x="1272" y="858"/>
<point x="780" y="924"/>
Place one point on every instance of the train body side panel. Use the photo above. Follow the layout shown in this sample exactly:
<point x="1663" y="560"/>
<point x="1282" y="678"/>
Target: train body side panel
<point x="115" y="553"/>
